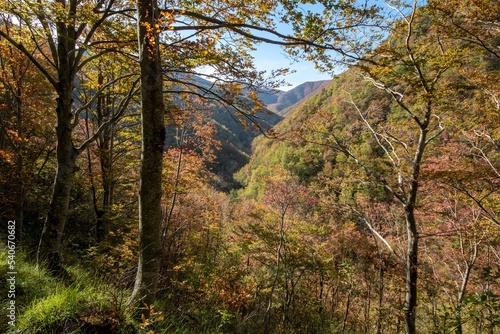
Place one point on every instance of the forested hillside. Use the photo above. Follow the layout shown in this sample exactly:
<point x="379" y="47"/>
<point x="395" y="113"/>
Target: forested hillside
<point x="236" y="139"/>
<point x="373" y="206"/>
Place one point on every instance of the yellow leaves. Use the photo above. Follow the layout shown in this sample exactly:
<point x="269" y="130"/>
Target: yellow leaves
<point x="151" y="317"/>
<point x="166" y="20"/>
<point x="280" y="174"/>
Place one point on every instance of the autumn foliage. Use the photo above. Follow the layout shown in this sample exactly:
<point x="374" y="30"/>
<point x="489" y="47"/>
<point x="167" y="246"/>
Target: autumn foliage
<point x="372" y="207"/>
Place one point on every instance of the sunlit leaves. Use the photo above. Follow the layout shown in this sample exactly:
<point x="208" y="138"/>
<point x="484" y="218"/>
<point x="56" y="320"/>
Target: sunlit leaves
<point x="26" y="126"/>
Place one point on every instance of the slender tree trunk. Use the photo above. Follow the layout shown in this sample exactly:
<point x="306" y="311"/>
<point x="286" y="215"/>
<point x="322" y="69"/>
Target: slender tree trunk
<point x="279" y="256"/>
<point x="411" y="273"/>
<point x="411" y="229"/>
<point x="105" y="156"/>
<point x="97" y="211"/>
<point x="103" y="221"/>
<point x="153" y="137"/>
<point x="368" y="306"/>
<point x="105" y="144"/>
<point x="469" y="264"/>
<point x="380" y="299"/>
<point x="346" y="314"/>
<point x="173" y="200"/>
<point x="21" y="182"/>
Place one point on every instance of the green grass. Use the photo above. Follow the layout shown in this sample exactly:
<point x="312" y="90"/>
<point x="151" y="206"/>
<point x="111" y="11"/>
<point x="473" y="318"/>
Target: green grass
<point x="63" y="308"/>
<point x="47" y="305"/>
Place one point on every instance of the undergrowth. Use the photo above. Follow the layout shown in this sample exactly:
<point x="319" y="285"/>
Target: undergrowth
<point x="47" y="305"/>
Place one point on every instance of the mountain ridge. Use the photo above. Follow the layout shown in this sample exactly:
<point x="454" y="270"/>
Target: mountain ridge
<point x="289" y="100"/>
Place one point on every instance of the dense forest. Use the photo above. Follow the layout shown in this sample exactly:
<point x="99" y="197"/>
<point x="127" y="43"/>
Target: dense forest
<point x="153" y="180"/>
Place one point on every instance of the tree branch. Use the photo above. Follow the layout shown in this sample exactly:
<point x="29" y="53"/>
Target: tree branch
<point x="77" y="112"/>
<point x="30" y="56"/>
<point x="121" y="110"/>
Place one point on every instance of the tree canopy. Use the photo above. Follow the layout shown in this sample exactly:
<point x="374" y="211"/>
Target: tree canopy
<point x="370" y="206"/>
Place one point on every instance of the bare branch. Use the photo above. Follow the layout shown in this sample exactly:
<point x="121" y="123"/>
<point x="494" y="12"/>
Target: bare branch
<point x="383" y="240"/>
<point x="121" y="110"/>
<point x="77" y="112"/>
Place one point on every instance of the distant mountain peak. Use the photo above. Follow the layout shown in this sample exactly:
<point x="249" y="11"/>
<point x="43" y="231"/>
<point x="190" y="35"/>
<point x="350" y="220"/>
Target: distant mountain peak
<point x="285" y="100"/>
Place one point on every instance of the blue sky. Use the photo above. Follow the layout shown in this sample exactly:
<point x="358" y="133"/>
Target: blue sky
<point x="271" y="57"/>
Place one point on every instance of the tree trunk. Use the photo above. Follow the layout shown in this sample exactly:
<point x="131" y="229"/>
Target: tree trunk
<point x="49" y="250"/>
<point x="21" y="182"/>
<point x="105" y="145"/>
<point x="62" y="33"/>
<point x="103" y="219"/>
<point x="153" y="137"/>
<point x="411" y="228"/>
<point x="279" y="258"/>
<point x="469" y="264"/>
<point x="50" y="242"/>
<point x="380" y="298"/>
<point x="411" y="272"/>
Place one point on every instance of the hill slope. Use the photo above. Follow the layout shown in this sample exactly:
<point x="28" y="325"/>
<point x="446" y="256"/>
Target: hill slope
<point x="286" y="101"/>
<point x="236" y="140"/>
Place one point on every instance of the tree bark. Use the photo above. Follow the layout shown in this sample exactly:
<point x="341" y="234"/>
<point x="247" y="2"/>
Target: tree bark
<point x="153" y="138"/>
<point x="50" y="242"/>
<point x="411" y="228"/>
<point x="411" y="272"/>
<point x="105" y="146"/>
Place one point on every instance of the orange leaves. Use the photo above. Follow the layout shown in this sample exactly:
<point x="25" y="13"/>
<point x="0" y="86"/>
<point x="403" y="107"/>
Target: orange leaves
<point x="7" y="157"/>
<point x="151" y="32"/>
<point x="165" y="21"/>
<point x="191" y="148"/>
